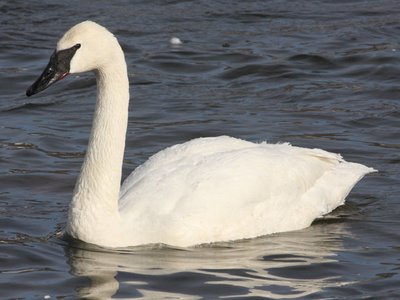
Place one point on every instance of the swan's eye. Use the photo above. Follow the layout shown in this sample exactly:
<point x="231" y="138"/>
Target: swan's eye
<point x="77" y="46"/>
<point x="49" y="71"/>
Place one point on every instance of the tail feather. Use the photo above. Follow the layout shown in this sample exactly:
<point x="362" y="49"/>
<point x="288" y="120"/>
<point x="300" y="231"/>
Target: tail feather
<point x="331" y="190"/>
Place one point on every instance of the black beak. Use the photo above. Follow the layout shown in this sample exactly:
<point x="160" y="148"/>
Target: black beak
<point x="57" y="68"/>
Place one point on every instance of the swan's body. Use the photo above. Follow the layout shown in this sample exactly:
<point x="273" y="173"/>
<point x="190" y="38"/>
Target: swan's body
<point x="205" y="190"/>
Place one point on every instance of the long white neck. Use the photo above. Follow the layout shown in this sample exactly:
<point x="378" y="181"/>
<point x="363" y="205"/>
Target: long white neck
<point x="95" y="201"/>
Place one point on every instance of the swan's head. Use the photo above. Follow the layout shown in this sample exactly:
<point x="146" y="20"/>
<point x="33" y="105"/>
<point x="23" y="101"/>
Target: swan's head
<point x="85" y="47"/>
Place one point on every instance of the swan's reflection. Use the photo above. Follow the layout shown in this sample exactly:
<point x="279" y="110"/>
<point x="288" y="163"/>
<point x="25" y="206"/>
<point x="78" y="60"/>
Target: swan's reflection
<point x="289" y="265"/>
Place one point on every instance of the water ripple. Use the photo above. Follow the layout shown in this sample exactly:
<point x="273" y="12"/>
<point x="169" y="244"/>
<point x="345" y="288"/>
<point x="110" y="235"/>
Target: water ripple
<point x="314" y="73"/>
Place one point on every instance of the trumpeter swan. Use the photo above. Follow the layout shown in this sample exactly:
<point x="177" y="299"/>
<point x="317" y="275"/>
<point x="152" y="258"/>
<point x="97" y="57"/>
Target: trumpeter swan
<point x="205" y="190"/>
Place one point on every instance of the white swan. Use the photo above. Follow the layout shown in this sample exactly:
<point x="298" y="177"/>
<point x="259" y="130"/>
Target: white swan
<point x="202" y="191"/>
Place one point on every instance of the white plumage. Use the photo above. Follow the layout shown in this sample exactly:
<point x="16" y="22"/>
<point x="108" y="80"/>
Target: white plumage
<point x="205" y="190"/>
<point x="222" y="188"/>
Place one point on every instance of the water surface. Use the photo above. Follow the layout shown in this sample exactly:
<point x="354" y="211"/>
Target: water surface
<point x="314" y="73"/>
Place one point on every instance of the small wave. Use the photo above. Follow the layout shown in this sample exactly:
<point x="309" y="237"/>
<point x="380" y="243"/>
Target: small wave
<point x="14" y="105"/>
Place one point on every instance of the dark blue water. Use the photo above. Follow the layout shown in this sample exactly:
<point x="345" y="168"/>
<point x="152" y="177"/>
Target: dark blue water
<point x="319" y="74"/>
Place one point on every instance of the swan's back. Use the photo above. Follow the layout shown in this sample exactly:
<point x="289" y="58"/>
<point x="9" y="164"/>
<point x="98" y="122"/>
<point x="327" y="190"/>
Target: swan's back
<point x="217" y="189"/>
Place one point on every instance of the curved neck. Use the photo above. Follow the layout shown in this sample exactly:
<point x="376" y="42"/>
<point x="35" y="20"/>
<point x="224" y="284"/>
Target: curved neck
<point x="97" y="189"/>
